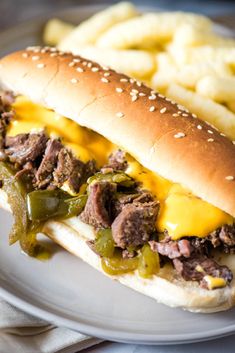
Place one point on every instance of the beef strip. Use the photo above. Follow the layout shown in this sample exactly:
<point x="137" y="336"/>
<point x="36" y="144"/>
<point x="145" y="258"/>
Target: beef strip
<point x="6" y="115"/>
<point x="71" y="170"/>
<point x="172" y="249"/>
<point x="117" y="161"/>
<point x="198" y="266"/>
<point x="97" y="210"/>
<point x="44" y="174"/>
<point x="121" y="200"/>
<point x="25" y="148"/>
<point x="224" y="237"/>
<point x="134" y="224"/>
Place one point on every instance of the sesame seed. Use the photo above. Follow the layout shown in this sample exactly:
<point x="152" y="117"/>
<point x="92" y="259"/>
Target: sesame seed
<point x="152" y="97"/>
<point x="53" y="49"/>
<point x="233" y="142"/>
<point x="168" y="99"/>
<point x="25" y="55"/>
<point x="175" y="115"/>
<point x="120" y="115"/>
<point x="210" y="132"/>
<point x="185" y="114"/>
<point x="40" y="66"/>
<point x="141" y="94"/>
<point x="132" y="80"/>
<point x="105" y="68"/>
<point x="210" y="140"/>
<point x="199" y="127"/>
<point x="31" y="48"/>
<point x="181" y="107"/>
<point x="123" y="80"/>
<point x="95" y="69"/>
<point x="119" y="90"/>
<point x="89" y="65"/>
<point x="163" y="110"/>
<point x="221" y="134"/>
<point x="229" y="177"/>
<point x="53" y="54"/>
<point x="74" y="80"/>
<point x="139" y="84"/>
<point x="76" y="60"/>
<point x="79" y="69"/>
<point x="84" y="63"/>
<point x="152" y="108"/>
<point x="43" y="51"/>
<point x="153" y="92"/>
<point x="135" y="91"/>
<point x="161" y="95"/>
<point x="72" y="64"/>
<point x="134" y="98"/>
<point x="35" y="57"/>
<point x="105" y="80"/>
<point x="179" y="135"/>
<point x="36" y="50"/>
<point x="179" y="112"/>
<point x="106" y="74"/>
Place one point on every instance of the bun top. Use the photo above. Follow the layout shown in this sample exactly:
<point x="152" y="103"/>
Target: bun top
<point x="160" y="134"/>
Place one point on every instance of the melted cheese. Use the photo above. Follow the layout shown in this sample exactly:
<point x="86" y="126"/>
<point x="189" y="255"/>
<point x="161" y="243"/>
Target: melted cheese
<point x="215" y="282"/>
<point x="181" y="213"/>
<point x="33" y="117"/>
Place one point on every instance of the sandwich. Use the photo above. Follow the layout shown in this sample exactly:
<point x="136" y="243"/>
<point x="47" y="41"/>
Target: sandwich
<point x="120" y="176"/>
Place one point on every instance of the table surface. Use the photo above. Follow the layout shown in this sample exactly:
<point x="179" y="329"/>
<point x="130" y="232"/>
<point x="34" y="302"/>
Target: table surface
<point x="221" y="11"/>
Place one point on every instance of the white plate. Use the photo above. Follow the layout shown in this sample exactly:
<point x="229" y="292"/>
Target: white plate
<point x="66" y="291"/>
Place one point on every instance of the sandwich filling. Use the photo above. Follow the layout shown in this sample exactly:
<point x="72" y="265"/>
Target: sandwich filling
<point x="53" y="168"/>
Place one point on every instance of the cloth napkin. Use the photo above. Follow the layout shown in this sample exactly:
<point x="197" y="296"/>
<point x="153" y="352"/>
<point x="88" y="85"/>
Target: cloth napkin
<point x="23" y="333"/>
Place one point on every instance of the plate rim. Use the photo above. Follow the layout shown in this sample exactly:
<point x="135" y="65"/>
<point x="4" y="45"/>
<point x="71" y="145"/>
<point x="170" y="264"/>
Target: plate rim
<point x="92" y="329"/>
<point x="111" y="334"/>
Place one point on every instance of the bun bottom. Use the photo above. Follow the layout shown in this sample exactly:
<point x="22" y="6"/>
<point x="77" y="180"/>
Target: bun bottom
<point x="166" y="288"/>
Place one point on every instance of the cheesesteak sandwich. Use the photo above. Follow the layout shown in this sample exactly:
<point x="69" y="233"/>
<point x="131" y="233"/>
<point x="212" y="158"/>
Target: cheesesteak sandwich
<point x="118" y="175"/>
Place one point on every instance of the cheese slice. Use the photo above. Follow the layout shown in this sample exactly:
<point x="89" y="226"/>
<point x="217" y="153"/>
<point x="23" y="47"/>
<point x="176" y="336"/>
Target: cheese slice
<point x="181" y="213"/>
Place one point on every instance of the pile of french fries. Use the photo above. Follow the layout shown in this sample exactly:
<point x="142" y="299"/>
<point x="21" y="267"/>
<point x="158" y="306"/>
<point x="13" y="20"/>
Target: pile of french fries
<point x="179" y="54"/>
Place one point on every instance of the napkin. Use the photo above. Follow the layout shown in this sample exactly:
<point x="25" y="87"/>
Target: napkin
<point x="23" y="333"/>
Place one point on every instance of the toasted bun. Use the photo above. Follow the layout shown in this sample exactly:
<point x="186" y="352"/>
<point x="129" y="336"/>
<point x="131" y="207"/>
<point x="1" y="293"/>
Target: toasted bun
<point x="156" y="131"/>
<point x="166" y="288"/>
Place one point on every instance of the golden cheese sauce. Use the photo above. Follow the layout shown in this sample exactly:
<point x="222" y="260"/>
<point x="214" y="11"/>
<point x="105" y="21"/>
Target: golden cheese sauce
<point x="181" y="213"/>
<point x="85" y="143"/>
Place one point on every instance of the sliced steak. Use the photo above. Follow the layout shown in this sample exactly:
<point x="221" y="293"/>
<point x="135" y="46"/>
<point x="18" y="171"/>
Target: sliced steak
<point x="121" y="200"/>
<point x="134" y="224"/>
<point x="6" y="115"/>
<point x="44" y="174"/>
<point x="97" y="209"/>
<point x="117" y="161"/>
<point x="198" y="266"/>
<point x="71" y="170"/>
<point x="224" y="237"/>
<point x="172" y="249"/>
<point x="25" y="148"/>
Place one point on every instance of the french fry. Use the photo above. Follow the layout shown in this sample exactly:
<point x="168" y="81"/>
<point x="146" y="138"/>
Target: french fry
<point x="189" y="75"/>
<point x="90" y="30"/>
<point x="154" y="27"/>
<point x="231" y="105"/>
<point x="55" y="30"/>
<point x="136" y="63"/>
<point x="190" y="35"/>
<point x="166" y="72"/>
<point x="217" y="88"/>
<point x="206" y="53"/>
<point x="206" y="109"/>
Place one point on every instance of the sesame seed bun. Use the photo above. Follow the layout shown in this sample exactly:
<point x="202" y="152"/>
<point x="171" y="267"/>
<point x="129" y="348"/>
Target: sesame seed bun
<point x="157" y="132"/>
